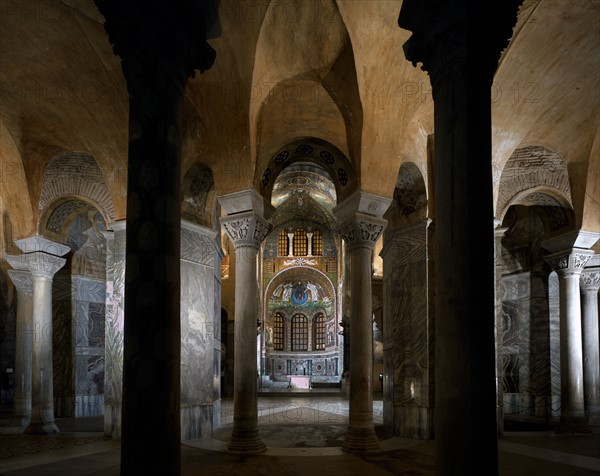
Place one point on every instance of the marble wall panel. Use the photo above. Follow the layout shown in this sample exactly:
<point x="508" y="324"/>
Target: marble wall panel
<point x="525" y="343"/>
<point x="407" y="346"/>
<point x="554" y="316"/>
<point x="114" y="337"/>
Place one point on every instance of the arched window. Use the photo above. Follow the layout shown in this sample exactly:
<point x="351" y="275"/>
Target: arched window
<point x="317" y="246"/>
<point x="299" y="332"/>
<point x="300" y="242"/>
<point x="278" y="332"/>
<point x="282" y="243"/>
<point x="319" y="333"/>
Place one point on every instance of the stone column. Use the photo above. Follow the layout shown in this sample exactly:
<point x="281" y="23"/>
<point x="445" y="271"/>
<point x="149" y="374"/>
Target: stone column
<point x="160" y="48"/>
<point x="360" y="224"/>
<point x="309" y="237"/>
<point x="42" y="258"/>
<point x="246" y="227"/>
<point x="23" y="282"/>
<point x="113" y="334"/>
<point x="589" y="284"/>
<point x="459" y="43"/>
<point x="568" y="262"/>
<point x="499" y="232"/>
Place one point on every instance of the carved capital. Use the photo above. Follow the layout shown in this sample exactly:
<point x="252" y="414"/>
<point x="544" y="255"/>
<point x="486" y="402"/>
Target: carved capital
<point x="245" y="229"/>
<point x="570" y="262"/>
<point x="453" y="31"/>
<point x="22" y="279"/>
<point x="362" y="230"/>
<point x="590" y="280"/>
<point x="42" y="264"/>
<point x="166" y="37"/>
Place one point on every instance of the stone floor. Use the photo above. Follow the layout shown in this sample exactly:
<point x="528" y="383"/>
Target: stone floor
<point x="303" y="435"/>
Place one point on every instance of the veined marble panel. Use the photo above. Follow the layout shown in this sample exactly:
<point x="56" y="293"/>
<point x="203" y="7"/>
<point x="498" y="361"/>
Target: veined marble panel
<point x="554" y="316"/>
<point x="200" y="374"/>
<point x="408" y="347"/>
<point x="88" y="289"/>
<point x="198" y="244"/>
<point x="525" y="343"/>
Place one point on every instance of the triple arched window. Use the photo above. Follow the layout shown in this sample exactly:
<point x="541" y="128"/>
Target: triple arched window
<point x="303" y="242"/>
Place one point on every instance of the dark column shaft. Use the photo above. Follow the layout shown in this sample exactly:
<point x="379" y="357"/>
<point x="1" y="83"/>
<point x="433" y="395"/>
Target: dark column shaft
<point x="151" y="369"/>
<point x="465" y="400"/>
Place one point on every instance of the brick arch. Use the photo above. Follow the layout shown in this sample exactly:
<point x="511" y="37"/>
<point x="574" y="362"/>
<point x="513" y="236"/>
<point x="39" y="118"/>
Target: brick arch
<point x="530" y="168"/>
<point x="76" y="174"/>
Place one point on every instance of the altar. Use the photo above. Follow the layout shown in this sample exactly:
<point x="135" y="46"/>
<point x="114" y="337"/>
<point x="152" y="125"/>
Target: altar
<point x="299" y="381"/>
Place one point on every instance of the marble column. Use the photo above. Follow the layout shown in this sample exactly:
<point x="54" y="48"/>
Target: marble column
<point x="114" y="337"/>
<point x="246" y="226"/>
<point x="360" y="224"/>
<point x="42" y="258"/>
<point x="459" y="43"/>
<point x="589" y="285"/>
<point x="309" y="237"/>
<point x="499" y="232"/>
<point x="23" y="281"/>
<point x="568" y="258"/>
<point x="160" y="48"/>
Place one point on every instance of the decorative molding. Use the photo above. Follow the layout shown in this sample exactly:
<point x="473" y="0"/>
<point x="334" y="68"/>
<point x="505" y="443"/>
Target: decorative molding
<point x="300" y="262"/>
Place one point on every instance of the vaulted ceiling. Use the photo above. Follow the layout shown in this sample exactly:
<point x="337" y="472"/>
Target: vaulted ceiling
<point x="330" y="70"/>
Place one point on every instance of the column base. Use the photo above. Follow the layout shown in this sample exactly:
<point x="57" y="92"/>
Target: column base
<point x="573" y="425"/>
<point x="41" y="428"/>
<point x="360" y="440"/>
<point x="246" y="442"/>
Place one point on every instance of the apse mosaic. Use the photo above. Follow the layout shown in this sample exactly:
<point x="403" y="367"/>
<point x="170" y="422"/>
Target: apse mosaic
<point x="307" y="295"/>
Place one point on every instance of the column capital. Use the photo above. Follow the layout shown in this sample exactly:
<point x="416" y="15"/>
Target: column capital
<point x="454" y="31"/>
<point x="590" y="276"/>
<point x="161" y="36"/>
<point x="22" y="279"/>
<point x="42" y="264"/>
<point x="245" y="229"/>
<point x="362" y="230"/>
<point x="570" y="262"/>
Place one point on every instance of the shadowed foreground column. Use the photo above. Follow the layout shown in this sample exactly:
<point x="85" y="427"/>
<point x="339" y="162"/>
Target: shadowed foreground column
<point x="459" y="43"/>
<point x="161" y="45"/>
